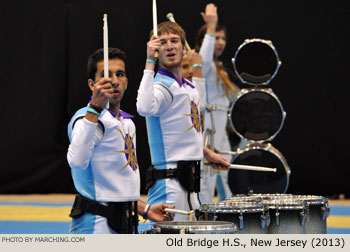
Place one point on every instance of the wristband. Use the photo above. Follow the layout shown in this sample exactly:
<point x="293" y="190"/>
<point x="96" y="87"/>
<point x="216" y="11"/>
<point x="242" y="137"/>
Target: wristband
<point x="91" y="110"/>
<point x="151" y="61"/>
<point x="97" y="108"/>
<point x="197" y="65"/>
<point x="145" y="212"/>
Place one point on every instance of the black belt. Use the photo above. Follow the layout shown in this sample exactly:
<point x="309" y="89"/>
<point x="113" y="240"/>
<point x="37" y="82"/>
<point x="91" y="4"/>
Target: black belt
<point x="187" y="172"/>
<point x="119" y="215"/>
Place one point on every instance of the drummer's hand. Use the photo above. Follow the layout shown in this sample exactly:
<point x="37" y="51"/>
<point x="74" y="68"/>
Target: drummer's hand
<point x="153" y="45"/>
<point x="156" y="212"/>
<point x="217" y="161"/>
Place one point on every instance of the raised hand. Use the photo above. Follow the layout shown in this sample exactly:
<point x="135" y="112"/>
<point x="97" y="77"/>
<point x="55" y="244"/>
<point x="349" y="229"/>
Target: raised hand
<point x="152" y="46"/>
<point x="210" y="17"/>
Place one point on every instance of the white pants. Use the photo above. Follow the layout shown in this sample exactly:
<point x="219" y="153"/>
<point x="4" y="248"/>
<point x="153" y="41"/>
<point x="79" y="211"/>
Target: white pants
<point x="90" y="224"/>
<point x="211" y="179"/>
<point x="170" y="191"/>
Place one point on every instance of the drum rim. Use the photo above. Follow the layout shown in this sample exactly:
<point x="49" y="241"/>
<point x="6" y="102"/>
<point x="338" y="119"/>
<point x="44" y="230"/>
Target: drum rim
<point x="269" y="43"/>
<point x="244" y="207"/>
<point x="196" y="225"/>
<point x="268" y="91"/>
<point x="270" y="148"/>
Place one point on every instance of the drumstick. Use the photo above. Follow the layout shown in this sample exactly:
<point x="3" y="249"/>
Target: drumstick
<point x="155" y="30"/>
<point x="252" y="168"/>
<point x="171" y="18"/>
<point x="249" y="167"/>
<point x="105" y="50"/>
<point x="176" y="211"/>
<point x="227" y="152"/>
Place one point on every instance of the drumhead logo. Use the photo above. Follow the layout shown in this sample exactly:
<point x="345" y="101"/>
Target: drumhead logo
<point x="129" y="150"/>
<point x="195" y="116"/>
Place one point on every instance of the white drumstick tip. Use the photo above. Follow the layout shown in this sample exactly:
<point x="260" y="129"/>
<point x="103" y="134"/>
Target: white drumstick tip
<point x="170" y="16"/>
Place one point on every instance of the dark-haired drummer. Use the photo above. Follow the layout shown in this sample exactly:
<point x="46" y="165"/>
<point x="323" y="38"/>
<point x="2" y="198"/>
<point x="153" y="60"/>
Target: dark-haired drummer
<point x="102" y="156"/>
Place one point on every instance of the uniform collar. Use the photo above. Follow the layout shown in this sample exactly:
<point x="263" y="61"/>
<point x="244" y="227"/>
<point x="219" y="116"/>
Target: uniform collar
<point x="121" y="113"/>
<point x="167" y="73"/>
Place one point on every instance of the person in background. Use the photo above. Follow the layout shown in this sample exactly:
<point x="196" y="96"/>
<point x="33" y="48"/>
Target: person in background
<point x="220" y="92"/>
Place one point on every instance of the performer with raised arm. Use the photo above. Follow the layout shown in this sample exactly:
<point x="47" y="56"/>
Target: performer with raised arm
<point x="102" y="156"/>
<point x="211" y="42"/>
<point x="171" y="107"/>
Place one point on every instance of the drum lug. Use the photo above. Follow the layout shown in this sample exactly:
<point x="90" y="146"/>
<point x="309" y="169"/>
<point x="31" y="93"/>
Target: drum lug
<point x="308" y="215"/>
<point x="268" y="219"/>
<point x="241" y="221"/>
<point x="303" y="218"/>
<point x="325" y="212"/>
<point x="277" y="218"/>
<point x="264" y="220"/>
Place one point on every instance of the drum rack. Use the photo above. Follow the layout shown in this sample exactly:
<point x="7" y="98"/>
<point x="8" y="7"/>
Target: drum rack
<point x="256" y="116"/>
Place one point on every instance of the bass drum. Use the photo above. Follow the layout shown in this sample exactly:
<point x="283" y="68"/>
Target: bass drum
<point x="257" y="115"/>
<point x="256" y="62"/>
<point x="243" y="181"/>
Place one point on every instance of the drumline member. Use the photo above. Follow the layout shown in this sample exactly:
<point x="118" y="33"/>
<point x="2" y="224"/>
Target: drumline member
<point x="102" y="156"/>
<point x="220" y="91"/>
<point x="170" y="105"/>
<point x="191" y="69"/>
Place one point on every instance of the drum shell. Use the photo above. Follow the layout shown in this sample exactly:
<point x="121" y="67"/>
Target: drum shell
<point x="298" y="214"/>
<point x="248" y="220"/>
<point x="316" y="224"/>
<point x="318" y="211"/>
<point x="289" y="222"/>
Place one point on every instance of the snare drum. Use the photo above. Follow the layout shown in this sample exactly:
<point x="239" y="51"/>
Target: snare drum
<point x="257" y="115"/>
<point x="249" y="217"/>
<point x="318" y="212"/>
<point x="193" y="227"/>
<point x="256" y="62"/>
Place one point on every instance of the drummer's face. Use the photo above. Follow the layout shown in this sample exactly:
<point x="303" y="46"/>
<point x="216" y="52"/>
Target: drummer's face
<point x="171" y="50"/>
<point x="220" y="43"/>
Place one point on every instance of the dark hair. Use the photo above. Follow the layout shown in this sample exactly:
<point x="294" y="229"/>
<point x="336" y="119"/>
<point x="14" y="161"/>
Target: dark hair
<point x="97" y="56"/>
<point x="170" y="27"/>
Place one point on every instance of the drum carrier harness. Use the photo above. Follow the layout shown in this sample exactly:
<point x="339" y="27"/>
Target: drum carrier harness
<point x="121" y="216"/>
<point x="187" y="172"/>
